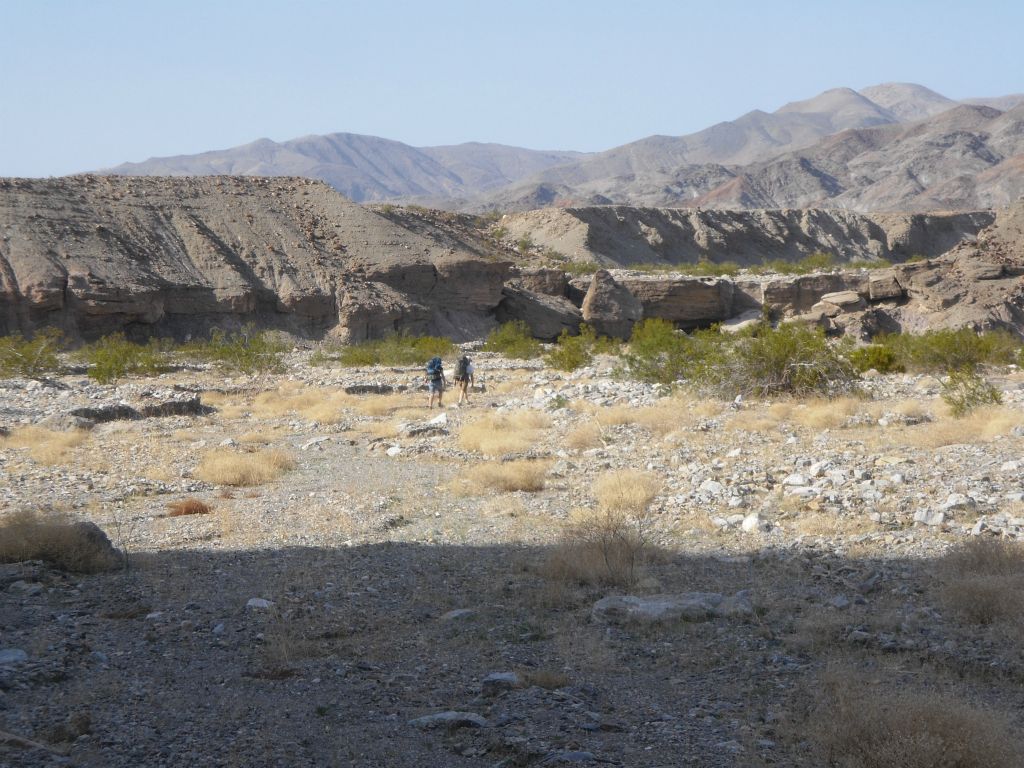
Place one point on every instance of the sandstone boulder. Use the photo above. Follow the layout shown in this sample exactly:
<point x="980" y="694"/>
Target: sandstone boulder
<point x="609" y="308"/>
<point x="546" y="316"/>
<point x="689" y="302"/>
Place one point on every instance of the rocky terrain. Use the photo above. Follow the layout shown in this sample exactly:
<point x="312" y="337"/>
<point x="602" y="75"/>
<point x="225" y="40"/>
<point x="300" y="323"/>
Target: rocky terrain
<point x="890" y="147"/>
<point x="182" y="256"/>
<point x="388" y="601"/>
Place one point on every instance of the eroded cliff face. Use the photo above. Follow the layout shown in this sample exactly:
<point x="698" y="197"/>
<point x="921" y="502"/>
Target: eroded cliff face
<point x="621" y="236"/>
<point x="177" y="256"/>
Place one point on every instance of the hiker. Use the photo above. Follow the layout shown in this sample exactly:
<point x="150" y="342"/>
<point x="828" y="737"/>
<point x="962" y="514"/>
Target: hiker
<point x="435" y="381"/>
<point x="464" y="377"/>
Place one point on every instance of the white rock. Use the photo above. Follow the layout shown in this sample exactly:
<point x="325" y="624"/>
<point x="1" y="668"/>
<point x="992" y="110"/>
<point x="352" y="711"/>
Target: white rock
<point x="690" y="606"/>
<point x="439" y="420"/>
<point x="1010" y="466"/>
<point x="394" y="450"/>
<point x="259" y="604"/>
<point x="795" y="479"/>
<point x="450" y="719"/>
<point x="712" y="487"/>
<point x="751" y="522"/>
<point x="11" y="656"/>
<point x="929" y="518"/>
<point x="957" y="501"/>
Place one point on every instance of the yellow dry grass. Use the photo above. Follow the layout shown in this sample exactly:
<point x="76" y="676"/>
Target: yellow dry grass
<point x="243" y="469"/>
<point x="820" y="413"/>
<point x="583" y="436"/>
<point x="44" y="446"/>
<point x="979" y="426"/>
<point x="760" y="419"/>
<point x="497" y="434"/>
<point x="507" y="476"/>
<point x="383" y="405"/>
<point x="55" y="538"/>
<point x="983" y="581"/>
<point x="626" y="491"/>
<point x="325" y="405"/>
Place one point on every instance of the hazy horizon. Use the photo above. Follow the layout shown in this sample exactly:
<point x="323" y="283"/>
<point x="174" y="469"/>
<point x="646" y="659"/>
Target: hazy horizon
<point x="91" y="86"/>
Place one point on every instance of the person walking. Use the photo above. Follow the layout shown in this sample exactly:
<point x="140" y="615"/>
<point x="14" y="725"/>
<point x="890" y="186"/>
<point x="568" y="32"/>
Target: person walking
<point x="464" y="378"/>
<point x="436" y="381"/>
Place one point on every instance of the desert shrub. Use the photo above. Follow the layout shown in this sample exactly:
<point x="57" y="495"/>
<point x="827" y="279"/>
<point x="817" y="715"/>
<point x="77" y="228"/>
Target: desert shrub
<point x="32" y="358"/>
<point x="792" y="359"/>
<point x="944" y="350"/>
<point x="499" y="434"/>
<point x="247" y="351"/>
<point x="656" y="352"/>
<point x="855" y="724"/>
<point x="524" y="244"/>
<point x="982" y="581"/>
<point x="114" y="357"/>
<point x="188" y="506"/>
<point x="964" y="391"/>
<point x="877" y="356"/>
<point x="813" y="262"/>
<point x="56" y="539"/>
<point x="243" y="469"/>
<point x="513" y="340"/>
<point x="574" y="352"/>
<point x="868" y="264"/>
<point x="397" y="349"/>
<point x="607" y="544"/>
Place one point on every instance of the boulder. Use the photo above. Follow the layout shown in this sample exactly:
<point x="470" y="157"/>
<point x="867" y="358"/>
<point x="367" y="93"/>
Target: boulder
<point x="883" y="286"/>
<point x="545" y="315"/>
<point x="550" y="282"/>
<point x="609" y="308"/>
<point x="689" y="606"/>
<point x="689" y="302"/>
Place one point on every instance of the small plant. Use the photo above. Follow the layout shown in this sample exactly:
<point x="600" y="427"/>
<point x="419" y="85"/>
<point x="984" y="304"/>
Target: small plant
<point x="188" y="506"/>
<point x="523" y="475"/>
<point x="657" y="352"/>
<point x="579" y="268"/>
<point x="524" y="245"/>
<point x="868" y="264"/>
<point x="114" y="357"/>
<point x="557" y="403"/>
<point x="513" y="340"/>
<point x="982" y="581"/>
<point x="572" y="352"/>
<point x="964" y="390"/>
<point x="943" y="350"/>
<point x="243" y="469"/>
<point x="32" y="358"/>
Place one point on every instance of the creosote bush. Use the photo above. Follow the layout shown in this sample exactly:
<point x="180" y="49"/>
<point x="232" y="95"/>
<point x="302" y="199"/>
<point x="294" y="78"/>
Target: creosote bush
<point x="572" y="352"/>
<point x="964" y="391"/>
<point x="54" y="538"/>
<point x="397" y="349"/>
<point x="32" y="358"/>
<point x="113" y="357"/>
<point x="876" y="356"/>
<point x="946" y="350"/>
<point x="246" y="351"/>
<point x="513" y="340"/>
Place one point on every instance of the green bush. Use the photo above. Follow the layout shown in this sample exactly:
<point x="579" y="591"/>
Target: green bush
<point x="868" y="264"/>
<point x="881" y="358"/>
<point x="572" y="352"/>
<point x="657" y="352"/>
<point x="247" y="351"/>
<point x="398" y="349"/>
<point x="945" y="350"/>
<point x="814" y="262"/>
<point x="513" y="340"/>
<point x="113" y="357"/>
<point x="524" y="244"/>
<point x="32" y="358"/>
<point x="964" y="390"/>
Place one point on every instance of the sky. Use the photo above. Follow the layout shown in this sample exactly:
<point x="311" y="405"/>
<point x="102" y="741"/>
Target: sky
<point x="87" y="84"/>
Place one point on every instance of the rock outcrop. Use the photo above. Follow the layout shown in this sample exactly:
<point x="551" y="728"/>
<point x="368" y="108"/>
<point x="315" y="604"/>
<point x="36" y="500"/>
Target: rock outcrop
<point x="610" y="308"/>
<point x="177" y="256"/>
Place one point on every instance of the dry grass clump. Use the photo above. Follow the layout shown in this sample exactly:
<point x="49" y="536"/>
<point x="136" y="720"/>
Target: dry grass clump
<point x="983" y="581"/>
<point x="584" y="436"/>
<point x="508" y="476"/>
<point x="44" y="446"/>
<point x="820" y="413"/>
<point x="626" y="491"/>
<point x="383" y="405"/>
<point x="767" y="420"/>
<point x="855" y="724"/>
<point x="56" y="539"/>
<point x="667" y="415"/>
<point x="979" y="426"/>
<point x="607" y="545"/>
<point x="321" y="404"/>
<point x="497" y="434"/>
<point x="243" y="469"/>
<point x="188" y="506"/>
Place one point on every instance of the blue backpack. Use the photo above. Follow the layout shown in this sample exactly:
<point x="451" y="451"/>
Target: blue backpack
<point x="435" y="371"/>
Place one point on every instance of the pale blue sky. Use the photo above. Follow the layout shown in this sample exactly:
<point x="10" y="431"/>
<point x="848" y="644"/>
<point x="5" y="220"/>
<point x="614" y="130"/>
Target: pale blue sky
<point x="89" y="84"/>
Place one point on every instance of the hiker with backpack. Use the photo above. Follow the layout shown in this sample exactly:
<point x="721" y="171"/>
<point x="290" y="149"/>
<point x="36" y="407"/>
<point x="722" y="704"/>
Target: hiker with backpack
<point x="464" y="377"/>
<point x="436" y="381"/>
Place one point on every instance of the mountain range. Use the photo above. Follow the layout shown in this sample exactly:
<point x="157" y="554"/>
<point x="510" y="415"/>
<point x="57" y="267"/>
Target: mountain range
<point x="890" y="147"/>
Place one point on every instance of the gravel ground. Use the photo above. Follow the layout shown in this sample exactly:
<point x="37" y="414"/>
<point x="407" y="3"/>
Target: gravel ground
<point x="310" y="620"/>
